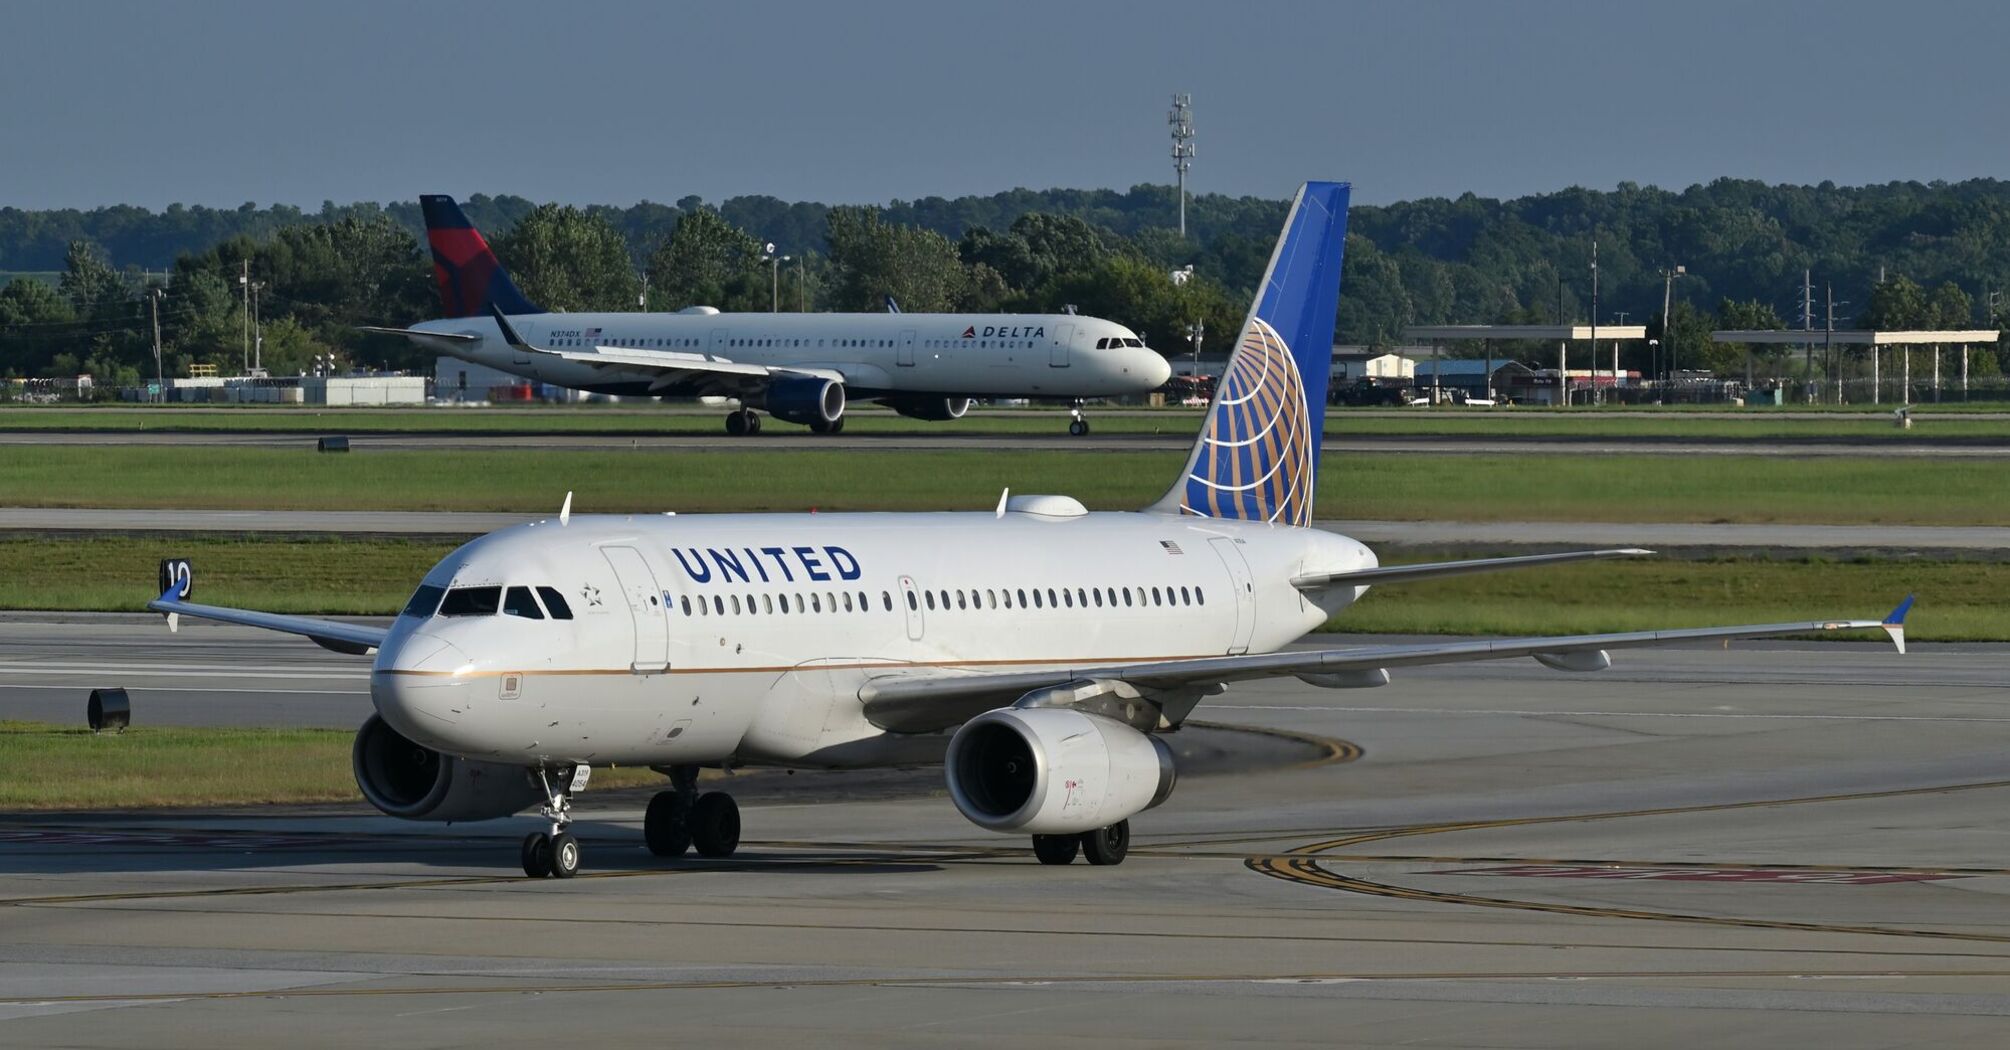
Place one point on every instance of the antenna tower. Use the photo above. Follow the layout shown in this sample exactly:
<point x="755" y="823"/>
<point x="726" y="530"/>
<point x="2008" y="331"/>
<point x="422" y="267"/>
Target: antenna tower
<point x="1181" y="120"/>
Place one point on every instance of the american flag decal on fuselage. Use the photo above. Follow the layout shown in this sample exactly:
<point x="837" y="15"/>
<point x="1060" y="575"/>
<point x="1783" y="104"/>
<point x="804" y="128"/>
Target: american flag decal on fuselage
<point x="1256" y="456"/>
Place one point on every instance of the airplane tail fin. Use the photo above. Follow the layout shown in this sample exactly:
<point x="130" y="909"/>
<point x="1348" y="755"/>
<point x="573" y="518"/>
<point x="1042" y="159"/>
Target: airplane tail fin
<point x="470" y="277"/>
<point x="1257" y="456"/>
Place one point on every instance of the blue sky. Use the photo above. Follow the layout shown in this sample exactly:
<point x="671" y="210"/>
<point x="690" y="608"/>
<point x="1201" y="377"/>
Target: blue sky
<point x="222" y="103"/>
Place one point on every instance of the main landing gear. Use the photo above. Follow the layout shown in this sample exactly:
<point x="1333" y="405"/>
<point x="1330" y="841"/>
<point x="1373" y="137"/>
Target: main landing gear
<point x="835" y="426"/>
<point x="555" y="854"/>
<point x="742" y="422"/>
<point x="1078" y="423"/>
<point x="682" y="818"/>
<point x="1102" y="846"/>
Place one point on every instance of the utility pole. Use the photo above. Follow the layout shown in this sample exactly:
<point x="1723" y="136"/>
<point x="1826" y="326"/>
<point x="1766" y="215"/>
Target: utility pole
<point x="160" y="378"/>
<point x="1667" y="322"/>
<point x="642" y="301"/>
<point x="244" y="286"/>
<point x="802" y="285"/>
<point x="1181" y="119"/>
<point x="1594" y="321"/>
<point x="257" y="331"/>
<point x="1829" y="338"/>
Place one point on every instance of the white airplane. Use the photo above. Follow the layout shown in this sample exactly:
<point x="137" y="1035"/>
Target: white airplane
<point x="801" y="367"/>
<point x="1038" y="650"/>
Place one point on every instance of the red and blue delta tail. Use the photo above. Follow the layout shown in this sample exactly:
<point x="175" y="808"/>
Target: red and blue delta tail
<point x="1257" y="457"/>
<point x="470" y="277"/>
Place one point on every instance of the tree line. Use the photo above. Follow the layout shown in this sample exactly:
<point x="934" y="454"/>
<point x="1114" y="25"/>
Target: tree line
<point x="1897" y="255"/>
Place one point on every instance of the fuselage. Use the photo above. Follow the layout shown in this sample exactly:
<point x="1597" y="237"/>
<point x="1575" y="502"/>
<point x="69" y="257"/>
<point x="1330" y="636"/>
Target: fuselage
<point x="880" y="354"/>
<point x="746" y="638"/>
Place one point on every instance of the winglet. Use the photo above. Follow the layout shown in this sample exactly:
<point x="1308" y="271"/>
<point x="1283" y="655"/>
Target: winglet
<point x="565" y="511"/>
<point x="1002" y="498"/>
<point x="172" y="594"/>
<point x="1894" y="624"/>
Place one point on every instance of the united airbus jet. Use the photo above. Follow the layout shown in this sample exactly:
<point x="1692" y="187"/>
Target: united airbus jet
<point x="1038" y="650"/>
<point x="801" y="368"/>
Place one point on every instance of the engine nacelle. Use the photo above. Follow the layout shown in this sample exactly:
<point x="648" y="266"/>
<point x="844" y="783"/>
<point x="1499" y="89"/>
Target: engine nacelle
<point x="1054" y="771"/>
<point x="935" y="409"/>
<point x="806" y="401"/>
<point x="403" y="779"/>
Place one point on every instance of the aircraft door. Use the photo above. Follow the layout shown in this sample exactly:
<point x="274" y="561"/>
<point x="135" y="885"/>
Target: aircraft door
<point x="910" y="602"/>
<point x="645" y="606"/>
<point x="1058" y="356"/>
<point x="1241" y="583"/>
<point x="718" y="345"/>
<point x="904" y="350"/>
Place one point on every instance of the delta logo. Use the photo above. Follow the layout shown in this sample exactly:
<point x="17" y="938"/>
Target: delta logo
<point x="1006" y="331"/>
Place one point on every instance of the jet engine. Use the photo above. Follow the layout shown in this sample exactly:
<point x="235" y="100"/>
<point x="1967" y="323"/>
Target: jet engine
<point x="934" y="409"/>
<point x="807" y="401"/>
<point x="405" y="780"/>
<point x="1054" y="771"/>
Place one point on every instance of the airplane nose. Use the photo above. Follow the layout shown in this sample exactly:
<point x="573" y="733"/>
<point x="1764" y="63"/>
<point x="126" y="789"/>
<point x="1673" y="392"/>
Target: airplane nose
<point x="421" y="684"/>
<point x="1155" y="368"/>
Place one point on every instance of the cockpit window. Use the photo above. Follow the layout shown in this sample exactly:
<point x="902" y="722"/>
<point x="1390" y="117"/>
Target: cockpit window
<point x="518" y="602"/>
<point x="1103" y="343"/>
<point x="424" y="601"/>
<point x="555" y="602"/>
<point x="1133" y="342"/>
<point x="471" y="601"/>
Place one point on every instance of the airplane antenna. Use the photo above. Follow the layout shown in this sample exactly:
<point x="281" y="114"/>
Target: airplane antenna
<point x="1002" y="497"/>
<point x="565" y="510"/>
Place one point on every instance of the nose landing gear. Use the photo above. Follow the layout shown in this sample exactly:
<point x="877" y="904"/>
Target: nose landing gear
<point x="555" y="854"/>
<point x="1078" y="423"/>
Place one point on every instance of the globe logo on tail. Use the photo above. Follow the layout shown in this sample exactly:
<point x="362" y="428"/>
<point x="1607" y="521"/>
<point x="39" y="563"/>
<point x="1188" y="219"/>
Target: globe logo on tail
<point x="1255" y="461"/>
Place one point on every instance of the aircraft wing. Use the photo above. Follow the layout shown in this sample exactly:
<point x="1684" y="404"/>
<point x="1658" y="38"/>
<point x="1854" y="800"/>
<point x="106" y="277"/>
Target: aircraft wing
<point x="444" y="341"/>
<point x="1436" y="569"/>
<point x="917" y="703"/>
<point x="674" y="371"/>
<point x="178" y="577"/>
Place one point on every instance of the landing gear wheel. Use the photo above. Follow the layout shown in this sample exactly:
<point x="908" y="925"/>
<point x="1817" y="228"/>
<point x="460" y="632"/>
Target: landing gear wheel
<point x="1057" y="849"/>
<point x="837" y="425"/>
<point x="1078" y="427"/>
<point x="564" y="855"/>
<point x="1105" y="846"/>
<point x="665" y="827"/>
<point x="753" y="422"/>
<point x="743" y="422"/>
<point x="818" y="426"/>
<point x="536" y="855"/>
<point x="715" y="824"/>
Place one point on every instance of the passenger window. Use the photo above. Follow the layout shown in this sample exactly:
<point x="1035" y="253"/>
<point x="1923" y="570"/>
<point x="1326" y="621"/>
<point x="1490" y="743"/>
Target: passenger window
<point x="1099" y="598"/>
<point x="864" y="602"/>
<point x="830" y="601"/>
<point x="736" y="605"/>
<point x="1067" y="598"/>
<point x="990" y="598"/>
<point x="1036" y="599"/>
<point x="1155" y="596"/>
<point x="945" y="601"/>
<point x="555" y="603"/>
<point x="815" y="605"/>
<point x="1199" y="596"/>
<point x="518" y="602"/>
<point x="931" y="599"/>
<point x="687" y="605"/>
<point x="847" y="601"/>
<point x="887" y="598"/>
<point x="1022" y="597"/>
<point x="1127" y="597"/>
<point x="1081" y="597"/>
<point x="959" y="600"/>
<point x="425" y="601"/>
<point x="1185" y="596"/>
<point x="471" y="601"/>
<point x="1051" y="602"/>
<point x="783" y="605"/>
<point x="719" y="605"/>
<point x="768" y="604"/>
<point x="910" y="601"/>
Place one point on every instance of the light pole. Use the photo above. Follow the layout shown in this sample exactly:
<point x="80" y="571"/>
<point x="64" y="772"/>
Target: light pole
<point x="1667" y="296"/>
<point x="160" y="378"/>
<point x="802" y="285"/>
<point x="774" y="277"/>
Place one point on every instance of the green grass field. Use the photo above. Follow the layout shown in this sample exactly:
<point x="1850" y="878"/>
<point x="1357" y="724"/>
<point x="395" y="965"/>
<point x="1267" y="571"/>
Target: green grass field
<point x="1836" y="490"/>
<point x="61" y="767"/>
<point x="1933" y="422"/>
